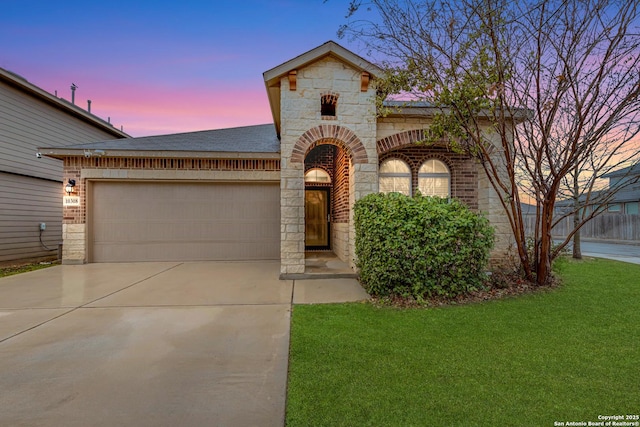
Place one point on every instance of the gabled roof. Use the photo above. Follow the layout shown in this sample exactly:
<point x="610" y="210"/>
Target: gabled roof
<point x="628" y="171"/>
<point x="258" y="141"/>
<point x="272" y="77"/>
<point x="25" y="86"/>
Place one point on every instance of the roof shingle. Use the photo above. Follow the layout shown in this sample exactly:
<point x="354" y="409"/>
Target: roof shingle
<point x="247" y="139"/>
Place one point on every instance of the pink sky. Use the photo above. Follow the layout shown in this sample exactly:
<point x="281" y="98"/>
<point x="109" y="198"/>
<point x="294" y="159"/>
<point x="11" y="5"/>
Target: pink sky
<point x="156" y="68"/>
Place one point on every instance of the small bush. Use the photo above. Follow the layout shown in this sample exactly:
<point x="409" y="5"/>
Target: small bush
<point x="419" y="246"/>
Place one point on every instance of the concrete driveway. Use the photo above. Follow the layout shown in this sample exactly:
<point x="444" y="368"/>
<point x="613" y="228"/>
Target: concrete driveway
<point x="150" y="344"/>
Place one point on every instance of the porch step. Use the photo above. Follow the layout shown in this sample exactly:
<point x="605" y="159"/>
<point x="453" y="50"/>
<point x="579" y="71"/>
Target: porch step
<point x="312" y="276"/>
<point x="322" y="265"/>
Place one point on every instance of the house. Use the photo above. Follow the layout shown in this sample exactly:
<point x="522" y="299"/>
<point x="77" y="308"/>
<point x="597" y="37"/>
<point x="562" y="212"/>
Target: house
<point x="617" y="218"/>
<point x="627" y="199"/>
<point x="269" y="191"/>
<point x="30" y="184"/>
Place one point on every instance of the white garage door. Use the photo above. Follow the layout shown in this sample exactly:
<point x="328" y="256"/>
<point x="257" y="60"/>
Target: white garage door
<point x="157" y="221"/>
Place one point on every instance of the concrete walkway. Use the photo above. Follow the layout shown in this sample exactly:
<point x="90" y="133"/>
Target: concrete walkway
<point x="151" y="344"/>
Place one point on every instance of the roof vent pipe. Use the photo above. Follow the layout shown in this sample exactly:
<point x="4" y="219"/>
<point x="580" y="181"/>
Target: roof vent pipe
<point x="89" y="106"/>
<point x="73" y="93"/>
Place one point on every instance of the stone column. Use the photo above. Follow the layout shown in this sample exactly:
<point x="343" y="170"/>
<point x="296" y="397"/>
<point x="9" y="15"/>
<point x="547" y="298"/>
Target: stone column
<point x="292" y="218"/>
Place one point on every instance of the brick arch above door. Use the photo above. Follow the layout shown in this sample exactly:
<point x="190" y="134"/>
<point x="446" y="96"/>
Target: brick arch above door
<point x="329" y="134"/>
<point x="401" y="139"/>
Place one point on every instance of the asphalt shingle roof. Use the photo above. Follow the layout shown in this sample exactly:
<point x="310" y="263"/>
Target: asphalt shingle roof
<point x="630" y="171"/>
<point x="247" y="139"/>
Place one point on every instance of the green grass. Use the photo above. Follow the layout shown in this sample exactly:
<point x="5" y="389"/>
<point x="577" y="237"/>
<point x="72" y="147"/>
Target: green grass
<point x="11" y="270"/>
<point x="568" y="354"/>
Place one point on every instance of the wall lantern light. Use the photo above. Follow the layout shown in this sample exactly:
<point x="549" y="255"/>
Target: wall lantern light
<point x="70" y="186"/>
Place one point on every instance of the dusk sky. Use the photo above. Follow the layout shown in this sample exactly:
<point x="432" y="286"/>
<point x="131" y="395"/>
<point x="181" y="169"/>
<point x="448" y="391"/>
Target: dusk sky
<point x="159" y="67"/>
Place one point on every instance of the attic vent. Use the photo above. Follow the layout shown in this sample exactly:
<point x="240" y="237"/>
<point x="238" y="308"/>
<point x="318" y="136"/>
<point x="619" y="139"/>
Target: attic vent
<point x="328" y="103"/>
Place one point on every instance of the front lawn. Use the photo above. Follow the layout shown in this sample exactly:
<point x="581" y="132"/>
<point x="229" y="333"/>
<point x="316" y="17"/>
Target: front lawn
<point x="564" y="355"/>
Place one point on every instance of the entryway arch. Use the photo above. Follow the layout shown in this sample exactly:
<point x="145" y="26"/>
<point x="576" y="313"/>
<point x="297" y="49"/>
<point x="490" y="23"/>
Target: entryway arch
<point x="329" y="134"/>
<point x="357" y="178"/>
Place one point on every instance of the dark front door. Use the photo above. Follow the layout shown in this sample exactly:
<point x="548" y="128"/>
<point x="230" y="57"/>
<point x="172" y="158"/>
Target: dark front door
<point x="316" y="214"/>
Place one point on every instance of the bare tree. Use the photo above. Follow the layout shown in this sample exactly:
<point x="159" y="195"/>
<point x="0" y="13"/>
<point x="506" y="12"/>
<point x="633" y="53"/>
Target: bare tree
<point x="544" y="88"/>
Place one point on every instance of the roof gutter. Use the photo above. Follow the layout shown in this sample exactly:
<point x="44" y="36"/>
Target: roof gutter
<point x="60" y="153"/>
<point x="518" y="115"/>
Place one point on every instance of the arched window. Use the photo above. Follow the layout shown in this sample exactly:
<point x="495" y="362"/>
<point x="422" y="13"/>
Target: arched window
<point x="317" y="176"/>
<point x="395" y="176"/>
<point x="434" y="179"/>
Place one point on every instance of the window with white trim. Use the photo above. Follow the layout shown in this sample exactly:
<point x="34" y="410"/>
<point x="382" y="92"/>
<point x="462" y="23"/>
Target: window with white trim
<point x="395" y="177"/>
<point x="434" y="179"/>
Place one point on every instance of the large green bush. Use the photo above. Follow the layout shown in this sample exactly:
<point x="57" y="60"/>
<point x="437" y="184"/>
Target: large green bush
<point x="419" y="246"/>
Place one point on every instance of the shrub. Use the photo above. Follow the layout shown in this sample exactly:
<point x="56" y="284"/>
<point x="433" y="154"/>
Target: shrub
<point x="419" y="246"/>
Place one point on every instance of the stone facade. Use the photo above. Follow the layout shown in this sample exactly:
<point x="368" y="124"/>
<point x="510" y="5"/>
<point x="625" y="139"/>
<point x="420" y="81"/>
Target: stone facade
<point x="489" y="203"/>
<point x="304" y="127"/>
<point x="364" y="140"/>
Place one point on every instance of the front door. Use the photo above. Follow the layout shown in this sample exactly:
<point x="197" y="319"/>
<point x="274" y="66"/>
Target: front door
<point x="316" y="214"/>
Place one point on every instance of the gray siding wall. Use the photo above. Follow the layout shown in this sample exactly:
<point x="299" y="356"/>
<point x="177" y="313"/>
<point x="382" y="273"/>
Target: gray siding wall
<point x="27" y="123"/>
<point x="31" y="188"/>
<point x="25" y="202"/>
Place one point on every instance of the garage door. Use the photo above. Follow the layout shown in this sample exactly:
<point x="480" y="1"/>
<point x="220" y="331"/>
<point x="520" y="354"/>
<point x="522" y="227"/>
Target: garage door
<point x="152" y="221"/>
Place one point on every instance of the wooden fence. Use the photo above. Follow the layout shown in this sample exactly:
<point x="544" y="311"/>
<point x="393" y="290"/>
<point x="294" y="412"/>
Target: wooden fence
<point x="606" y="226"/>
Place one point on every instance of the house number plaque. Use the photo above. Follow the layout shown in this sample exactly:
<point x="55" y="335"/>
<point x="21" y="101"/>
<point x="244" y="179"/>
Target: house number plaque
<point x="71" y="201"/>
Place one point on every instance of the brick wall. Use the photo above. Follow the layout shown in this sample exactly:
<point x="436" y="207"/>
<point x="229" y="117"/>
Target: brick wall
<point x="321" y="157"/>
<point x="74" y="167"/>
<point x="464" y="174"/>
<point x="174" y="164"/>
<point x="74" y="214"/>
<point x="340" y="209"/>
<point x="469" y="181"/>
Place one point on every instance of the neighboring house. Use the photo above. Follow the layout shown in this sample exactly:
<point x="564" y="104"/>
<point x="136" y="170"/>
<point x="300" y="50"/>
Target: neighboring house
<point x="618" y="220"/>
<point x="627" y="200"/>
<point x="624" y="201"/>
<point x="267" y="191"/>
<point x="528" y="209"/>
<point x="31" y="185"/>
